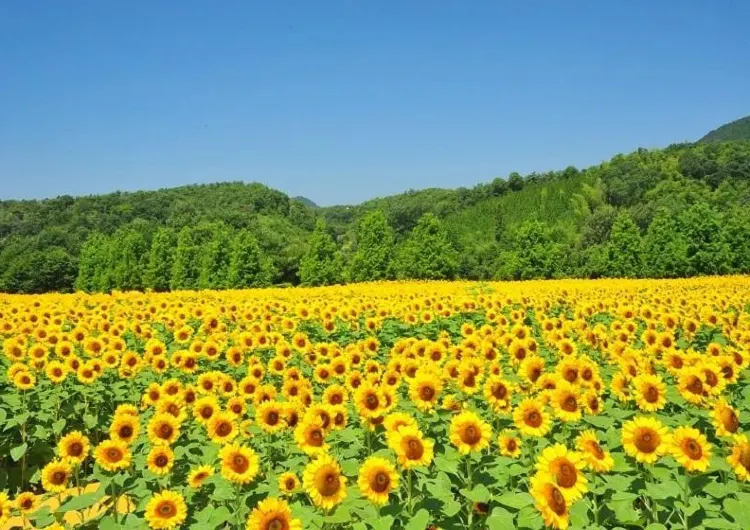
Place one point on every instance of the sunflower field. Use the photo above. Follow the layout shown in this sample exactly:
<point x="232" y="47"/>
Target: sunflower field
<point x="567" y="404"/>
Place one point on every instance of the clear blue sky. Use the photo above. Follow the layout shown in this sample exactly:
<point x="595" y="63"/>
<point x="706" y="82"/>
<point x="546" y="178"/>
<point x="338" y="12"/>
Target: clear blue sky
<point x="342" y="101"/>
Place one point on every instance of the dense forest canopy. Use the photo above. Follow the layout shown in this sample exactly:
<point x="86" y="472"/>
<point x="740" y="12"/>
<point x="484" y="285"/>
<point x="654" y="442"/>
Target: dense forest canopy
<point x="679" y="211"/>
<point x="732" y="131"/>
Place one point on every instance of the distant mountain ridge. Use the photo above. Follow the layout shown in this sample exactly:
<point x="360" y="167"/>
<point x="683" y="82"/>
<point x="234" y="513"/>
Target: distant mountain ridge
<point x="732" y="131"/>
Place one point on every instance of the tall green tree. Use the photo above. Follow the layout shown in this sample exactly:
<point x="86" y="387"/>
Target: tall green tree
<point x="322" y="263"/>
<point x="185" y="268"/>
<point x="624" y="247"/>
<point x="664" y="250"/>
<point x="373" y="258"/>
<point x="160" y="260"/>
<point x="215" y="254"/>
<point x="428" y="253"/>
<point x="128" y="257"/>
<point x="248" y="267"/>
<point x="737" y="235"/>
<point x="707" y="252"/>
<point x="534" y="253"/>
<point x="92" y="263"/>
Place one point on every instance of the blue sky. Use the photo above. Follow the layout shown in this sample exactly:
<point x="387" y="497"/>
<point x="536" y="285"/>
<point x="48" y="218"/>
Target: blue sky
<point x="342" y="101"/>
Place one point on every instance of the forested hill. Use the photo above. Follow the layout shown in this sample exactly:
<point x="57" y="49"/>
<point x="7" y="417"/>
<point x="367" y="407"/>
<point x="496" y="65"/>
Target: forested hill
<point x="732" y="131"/>
<point x="679" y="211"/>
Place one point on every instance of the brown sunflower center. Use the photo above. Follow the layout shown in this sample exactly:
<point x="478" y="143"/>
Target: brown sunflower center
<point x="729" y="420"/>
<point x="511" y="445"/>
<point x="711" y="378"/>
<point x="329" y="484"/>
<point x="471" y="434"/>
<point x="272" y="418"/>
<point x="26" y="503"/>
<point x="570" y="375"/>
<point x="75" y="449"/>
<point x="533" y="418"/>
<point x="276" y="524"/>
<point x="647" y="440"/>
<point x="290" y="484"/>
<point x="126" y="431"/>
<point x="566" y="475"/>
<point x="162" y="461"/>
<point x="556" y="501"/>
<point x="59" y="477"/>
<point x="692" y="449"/>
<point x="380" y="482"/>
<point x="165" y="431"/>
<point x="651" y="394"/>
<point x="695" y="386"/>
<point x="569" y="404"/>
<point x="336" y="399"/>
<point x="414" y="449"/>
<point x="426" y="393"/>
<point x="499" y="391"/>
<point x="167" y="509"/>
<point x="224" y="429"/>
<point x="596" y="449"/>
<point x="744" y="456"/>
<point x="316" y="438"/>
<point x="240" y="464"/>
<point x="371" y="401"/>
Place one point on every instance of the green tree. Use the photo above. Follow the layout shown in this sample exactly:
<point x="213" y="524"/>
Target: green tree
<point x="664" y="250"/>
<point x="41" y="271"/>
<point x="321" y="264"/>
<point x="535" y="254"/>
<point x="214" y="255"/>
<point x="624" y="247"/>
<point x="160" y="260"/>
<point x="128" y="256"/>
<point x="737" y="235"/>
<point x="428" y="253"/>
<point x="373" y="258"/>
<point x="185" y="266"/>
<point x="92" y="263"/>
<point x="707" y="252"/>
<point x="248" y="267"/>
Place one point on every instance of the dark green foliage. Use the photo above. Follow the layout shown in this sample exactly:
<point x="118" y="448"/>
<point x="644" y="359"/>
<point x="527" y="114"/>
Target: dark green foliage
<point x="671" y="212"/>
<point x="247" y="266"/>
<point x="375" y="248"/>
<point x="735" y="130"/>
<point x="624" y="248"/>
<point x="322" y="264"/>
<point x="428" y="253"/>
<point x="160" y="260"/>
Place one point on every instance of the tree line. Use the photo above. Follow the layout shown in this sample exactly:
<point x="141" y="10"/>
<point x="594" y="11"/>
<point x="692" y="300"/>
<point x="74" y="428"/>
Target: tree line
<point x="679" y="211"/>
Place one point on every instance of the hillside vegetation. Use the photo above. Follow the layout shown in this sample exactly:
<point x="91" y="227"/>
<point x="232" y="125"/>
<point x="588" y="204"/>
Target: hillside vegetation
<point x="732" y="131"/>
<point x="671" y="212"/>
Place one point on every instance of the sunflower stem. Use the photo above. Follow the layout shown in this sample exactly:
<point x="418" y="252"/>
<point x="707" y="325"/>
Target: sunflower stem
<point x="469" y="487"/>
<point x="685" y="501"/>
<point x="409" y="492"/>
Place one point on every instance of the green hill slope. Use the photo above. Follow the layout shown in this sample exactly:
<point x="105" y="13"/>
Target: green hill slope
<point x="732" y="131"/>
<point x="560" y="223"/>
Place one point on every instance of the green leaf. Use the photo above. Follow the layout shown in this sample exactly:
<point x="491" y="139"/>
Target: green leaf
<point x="663" y="490"/>
<point x="515" y="500"/>
<point x="58" y="426"/>
<point x="736" y="510"/>
<point x="529" y="517"/>
<point x="619" y="482"/>
<point x="382" y="523"/>
<point x="108" y="523"/>
<point x="90" y="420"/>
<point x="479" y="493"/>
<point x="500" y="519"/>
<point x="579" y="514"/>
<point x="81" y="502"/>
<point x="622" y="505"/>
<point x="18" y="451"/>
<point x="450" y="506"/>
<point x="720" y="524"/>
<point x="220" y="516"/>
<point x="656" y="526"/>
<point x="603" y="422"/>
<point x="419" y="521"/>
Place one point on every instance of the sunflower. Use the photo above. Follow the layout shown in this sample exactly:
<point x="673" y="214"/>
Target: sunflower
<point x="163" y="429"/>
<point x="646" y="439"/>
<point x="509" y="444"/>
<point x="531" y="419"/>
<point x="550" y="502"/>
<point x="198" y="476"/>
<point x="424" y="390"/>
<point x="692" y="385"/>
<point x="311" y="437"/>
<point x="24" y="380"/>
<point x="124" y="428"/>
<point x="597" y="458"/>
<point x="237" y="406"/>
<point x="222" y="428"/>
<point x="469" y="432"/>
<point x="725" y="418"/>
<point x="650" y="392"/>
<point x="166" y="510"/>
<point x="239" y="464"/>
<point x="739" y="459"/>
<point x="74" y="447"/>
<point x="498" y="393"/>
<point x="204" y="409"/>
<point x="26" y="503"/>
<point x="411" y="448"/>
<point x="565" y="469"/>
<point x="377" y="479"/>
<point x="394" y="421"/>
<point x="565" y="402"/>
<point x="288" y="483"/>
<point x="369" y="400"/>
<point x="112" y="455"/>
<point x="5" y="507"/>
<point x="339" y="417"/>
<point x="269" y="416"/>
<point x="56" y="371"/>
<point x="324" y="483"/>
<point x="55" y="476"/>
<point x="272" y="514"/>
<point x="690" y="448"/>
<point x="160" y="460"/>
